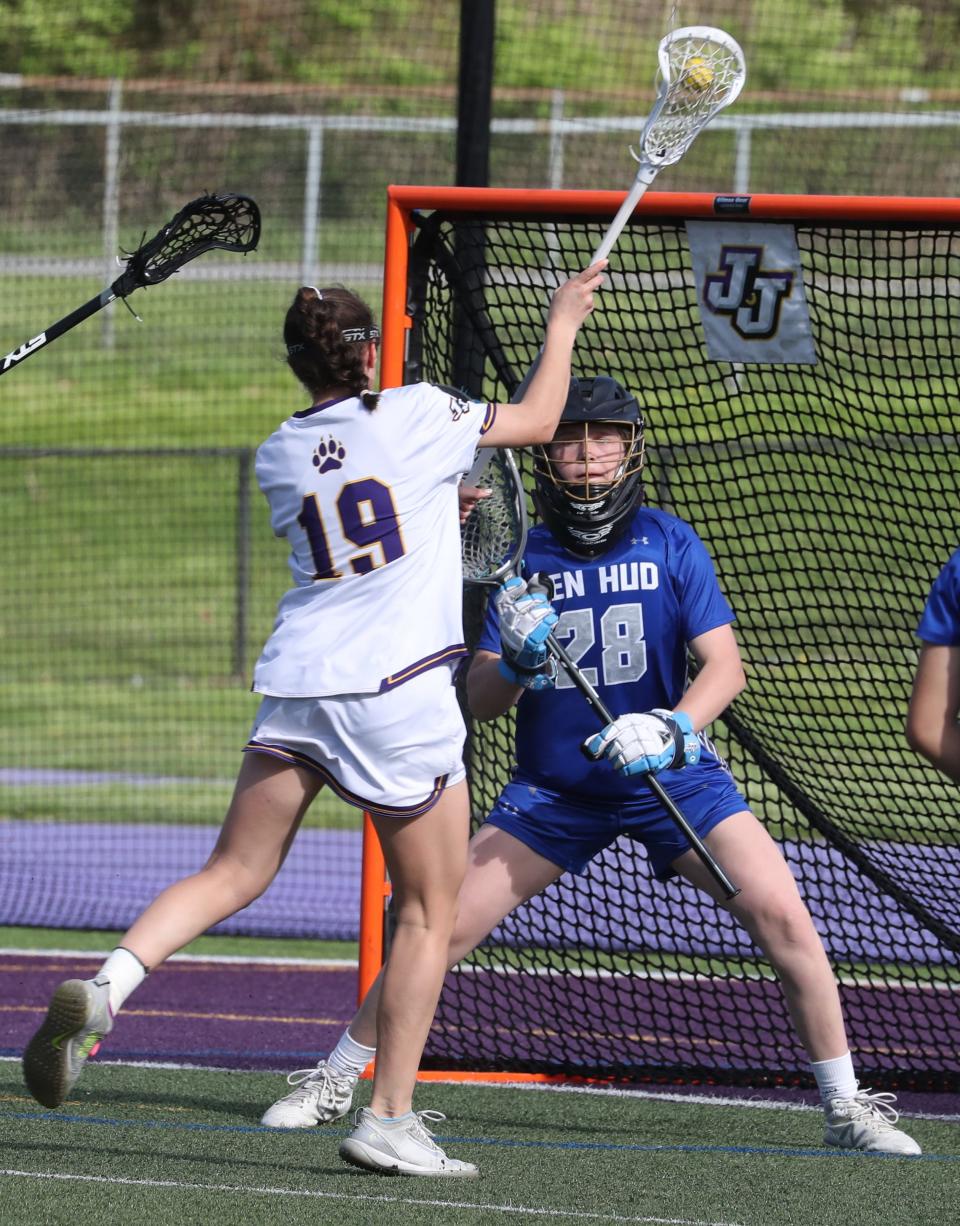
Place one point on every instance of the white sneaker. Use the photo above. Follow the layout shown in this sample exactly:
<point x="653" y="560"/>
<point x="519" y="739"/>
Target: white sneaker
<point x="78" y="1019"/>
<point x="407" y="1148"/>
<point x="867" y="1121"/>
<point x="321" y="1097"/>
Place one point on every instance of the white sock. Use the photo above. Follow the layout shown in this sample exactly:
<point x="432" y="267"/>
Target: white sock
<point x="835" y="1078"/>
<point x="123" y="971"/>
<point x="349" y="1058"/>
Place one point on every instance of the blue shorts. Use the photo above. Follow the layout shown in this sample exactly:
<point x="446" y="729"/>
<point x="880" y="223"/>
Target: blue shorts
<point x="569" y="830"/>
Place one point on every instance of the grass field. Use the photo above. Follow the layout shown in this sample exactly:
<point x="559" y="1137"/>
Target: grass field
<point x="161" y="1145"/>
<point x="171" y="1143"/>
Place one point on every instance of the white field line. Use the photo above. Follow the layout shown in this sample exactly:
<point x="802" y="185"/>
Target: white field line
<point x="848" y="981"/>
<point x="576" y="972"/>
<point x="669" y="1096"/>
<point x="257" y="1190"/>
<point x="337" y="963"/>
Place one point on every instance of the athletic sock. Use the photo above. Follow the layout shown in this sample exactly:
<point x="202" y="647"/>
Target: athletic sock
<point x="349" y="1058"/>
<point x="123" y="971"/>
<point x="392" y="1119"/>
<point x="835" y="1078"/>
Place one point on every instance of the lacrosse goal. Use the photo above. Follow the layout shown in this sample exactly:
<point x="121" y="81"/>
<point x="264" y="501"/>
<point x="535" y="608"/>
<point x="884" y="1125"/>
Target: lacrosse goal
<point x="828" y="493"/>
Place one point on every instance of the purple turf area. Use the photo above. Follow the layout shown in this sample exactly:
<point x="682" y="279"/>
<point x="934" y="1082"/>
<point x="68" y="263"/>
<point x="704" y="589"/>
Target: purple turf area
<point x="231" y="1015"/>
<point x="241" y="1015"/>
<point x="101" y="875"/>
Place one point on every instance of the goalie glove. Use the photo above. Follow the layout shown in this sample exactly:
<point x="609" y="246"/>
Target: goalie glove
<point x="526" y="619"/>
<point x="646" y="744"/>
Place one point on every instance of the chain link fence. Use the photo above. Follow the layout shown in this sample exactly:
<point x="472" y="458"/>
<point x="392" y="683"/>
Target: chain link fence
<point x="140" y="573"/>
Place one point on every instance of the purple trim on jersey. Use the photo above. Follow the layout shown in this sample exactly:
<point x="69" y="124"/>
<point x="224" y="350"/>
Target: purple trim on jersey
<point x="455" y="651"/>
<point x="324" y="404"/>
<point x="940" y="623"/>
<point x="488" y="419"/>
<point x="296" y="758"/>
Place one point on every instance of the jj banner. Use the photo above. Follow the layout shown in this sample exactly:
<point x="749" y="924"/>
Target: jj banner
<point x="750" y="292"/>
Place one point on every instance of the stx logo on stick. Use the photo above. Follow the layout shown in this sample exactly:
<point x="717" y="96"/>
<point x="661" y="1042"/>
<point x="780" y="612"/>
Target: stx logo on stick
<point x="751" y="295"/>
<point x="17" y="355"/>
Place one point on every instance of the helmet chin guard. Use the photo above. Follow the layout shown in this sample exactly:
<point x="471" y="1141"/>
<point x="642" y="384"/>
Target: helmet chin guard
<point x="587" y="518"/>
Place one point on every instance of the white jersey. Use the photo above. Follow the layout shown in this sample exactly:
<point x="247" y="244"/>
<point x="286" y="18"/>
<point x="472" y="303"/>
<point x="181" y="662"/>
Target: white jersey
<point x="368" y="501"/>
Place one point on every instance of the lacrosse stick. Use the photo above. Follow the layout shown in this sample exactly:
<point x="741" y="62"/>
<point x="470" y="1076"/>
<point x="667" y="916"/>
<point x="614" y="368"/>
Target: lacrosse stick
<point x="541" y="583"/>
<point x="229" y="222"/>
<point x="701" y="70"/>
<point x="494" y="536"/>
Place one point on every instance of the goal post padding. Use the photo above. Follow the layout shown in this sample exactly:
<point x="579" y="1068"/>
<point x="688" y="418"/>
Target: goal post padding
<point x="828" y="495"/>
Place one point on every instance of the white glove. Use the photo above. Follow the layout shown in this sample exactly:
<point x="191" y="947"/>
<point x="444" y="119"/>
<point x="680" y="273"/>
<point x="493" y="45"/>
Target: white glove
<point x="645" y="744"/>
<point x="526" y="619"/>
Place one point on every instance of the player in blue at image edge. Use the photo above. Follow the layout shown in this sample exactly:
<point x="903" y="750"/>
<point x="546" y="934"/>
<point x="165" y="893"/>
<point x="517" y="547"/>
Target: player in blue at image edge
<point x="637" y="589"/>
<point x="932" y="728"/>
<point x="364" y="487"/>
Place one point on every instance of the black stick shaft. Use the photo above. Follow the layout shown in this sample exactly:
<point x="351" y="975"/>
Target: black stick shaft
<point x="606" y="717"/>
<point x="36" y="343"/>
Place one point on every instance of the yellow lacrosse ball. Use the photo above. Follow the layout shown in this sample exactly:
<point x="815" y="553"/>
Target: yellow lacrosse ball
<point x="697" y="75"/>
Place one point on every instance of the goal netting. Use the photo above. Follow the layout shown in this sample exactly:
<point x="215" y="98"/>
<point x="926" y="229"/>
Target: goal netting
<point x="828" y="495"/>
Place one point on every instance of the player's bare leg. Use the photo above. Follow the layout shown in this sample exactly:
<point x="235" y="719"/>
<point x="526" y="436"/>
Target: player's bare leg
<point x="426" y="859"/>
<point x="269" y="801"/>
<point x="769" y="906"/>
<point x="772" y="911"/>
<point x="501" y="874"/>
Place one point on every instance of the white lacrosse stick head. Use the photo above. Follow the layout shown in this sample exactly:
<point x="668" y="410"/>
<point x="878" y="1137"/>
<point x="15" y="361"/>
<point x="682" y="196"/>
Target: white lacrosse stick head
<point x="701" y="70"/>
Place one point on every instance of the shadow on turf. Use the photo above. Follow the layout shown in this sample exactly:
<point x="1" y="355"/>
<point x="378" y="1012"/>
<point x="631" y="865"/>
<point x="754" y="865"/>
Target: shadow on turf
<point x="216" y="1162"/>
<point x="647" y="1131"/>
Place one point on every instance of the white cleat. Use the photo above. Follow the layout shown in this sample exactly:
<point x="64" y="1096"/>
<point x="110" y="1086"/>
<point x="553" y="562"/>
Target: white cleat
<point x="405" y="1148"/>
<point x="867" y="1122"/>
<point x="321" y="1097"/>
<point x="77" y="1021"/>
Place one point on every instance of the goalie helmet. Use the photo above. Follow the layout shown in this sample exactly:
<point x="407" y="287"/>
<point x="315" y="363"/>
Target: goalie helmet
<point x="588" y="516"/>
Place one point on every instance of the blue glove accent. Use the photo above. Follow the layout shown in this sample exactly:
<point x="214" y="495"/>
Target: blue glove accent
<point x="526" y="619"/>
<point x="543" y="678"/>
<point x="689" y="753"/>
<point x="641" y="744"/>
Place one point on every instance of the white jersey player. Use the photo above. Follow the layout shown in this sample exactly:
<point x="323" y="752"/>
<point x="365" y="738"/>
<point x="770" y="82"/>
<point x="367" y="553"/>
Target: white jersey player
<point x="370" y="511"/>
<point x="356" y="684"/>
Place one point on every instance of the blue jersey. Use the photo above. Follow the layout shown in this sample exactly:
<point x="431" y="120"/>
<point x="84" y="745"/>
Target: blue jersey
<point x="940" y="623"/>
<point x="626" y="618"/>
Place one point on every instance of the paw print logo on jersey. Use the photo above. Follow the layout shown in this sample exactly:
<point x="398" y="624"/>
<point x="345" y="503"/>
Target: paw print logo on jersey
<point x="328" y="455"/>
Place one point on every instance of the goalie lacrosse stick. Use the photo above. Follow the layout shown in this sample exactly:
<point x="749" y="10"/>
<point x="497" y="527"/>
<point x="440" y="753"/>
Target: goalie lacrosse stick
<point x="494" y="536"/>
<point x="542" y="584"/>
<point x="228" y="222"/>
<point x="701" y="70"/>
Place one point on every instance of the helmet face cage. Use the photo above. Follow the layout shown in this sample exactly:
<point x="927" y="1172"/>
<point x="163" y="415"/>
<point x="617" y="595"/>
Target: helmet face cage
<point x="588" y="516"/>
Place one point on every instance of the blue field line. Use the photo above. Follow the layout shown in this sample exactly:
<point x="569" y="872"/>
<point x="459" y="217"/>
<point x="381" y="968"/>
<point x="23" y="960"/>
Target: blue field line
<point x="131" y="1055"/>
<point x="778" y="1151"/>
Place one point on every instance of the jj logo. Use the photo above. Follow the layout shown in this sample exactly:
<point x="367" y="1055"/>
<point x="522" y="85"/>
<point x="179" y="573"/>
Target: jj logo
<point x="750" y="294"/>
<point x="17" y="355"/>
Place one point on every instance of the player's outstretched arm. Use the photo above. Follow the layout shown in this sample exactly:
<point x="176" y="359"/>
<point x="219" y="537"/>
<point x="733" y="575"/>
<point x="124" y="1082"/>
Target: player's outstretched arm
<point x="534" y="418"/>
<point x="932" y="728"/>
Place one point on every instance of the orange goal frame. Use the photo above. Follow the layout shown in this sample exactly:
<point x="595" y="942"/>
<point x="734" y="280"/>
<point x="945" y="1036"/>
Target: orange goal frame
<point x="402" y="203"/>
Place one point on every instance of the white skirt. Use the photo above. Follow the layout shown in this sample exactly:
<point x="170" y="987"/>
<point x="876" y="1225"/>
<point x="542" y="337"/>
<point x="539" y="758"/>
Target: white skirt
<point x="391" y="753"/>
